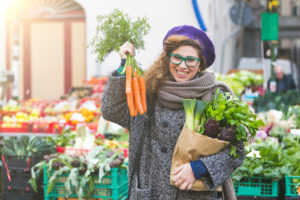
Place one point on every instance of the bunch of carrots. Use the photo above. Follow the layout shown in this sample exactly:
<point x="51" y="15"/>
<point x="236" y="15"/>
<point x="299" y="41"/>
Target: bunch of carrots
<point x="135" y="88"/>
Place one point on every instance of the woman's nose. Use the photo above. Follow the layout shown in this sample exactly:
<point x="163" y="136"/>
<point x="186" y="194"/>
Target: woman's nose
<point x="182" y="65"/>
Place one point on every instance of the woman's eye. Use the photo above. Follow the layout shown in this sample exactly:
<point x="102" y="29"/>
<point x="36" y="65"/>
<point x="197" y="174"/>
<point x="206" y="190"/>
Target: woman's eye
<point x="177" y="57"/>
<point x="190" y="59"/>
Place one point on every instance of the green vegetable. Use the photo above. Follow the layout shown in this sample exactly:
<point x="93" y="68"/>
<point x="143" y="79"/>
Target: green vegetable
<point x="276" y="159"/>
<point x="198" y="112"/>
<point x="82" y="172"/>
<point x="277" y="101"/>
<point x="115" y="29"/>
<point x="189" y="108"/>
<point x="26" y="146"/>
<point x="225" y="117"/>
<point x="65" y="138"/>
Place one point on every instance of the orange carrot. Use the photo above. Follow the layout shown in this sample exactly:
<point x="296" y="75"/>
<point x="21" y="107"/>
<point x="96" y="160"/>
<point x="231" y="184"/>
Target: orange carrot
<point x="137" y="95"/>
<point x="135" y="112"/>
<point x="130" y="102"/>
<point x="143" y="92"/>
<point x="128" y="87"/>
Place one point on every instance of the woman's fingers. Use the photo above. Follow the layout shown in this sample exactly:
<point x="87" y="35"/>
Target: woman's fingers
<point x="127" y="47"/>
<point x="183" y="186"/>
<point x="183" y="177"/>
<point x="177" y="170"/>
<point x="179" y="182"/>
<point x="189" y="187"/>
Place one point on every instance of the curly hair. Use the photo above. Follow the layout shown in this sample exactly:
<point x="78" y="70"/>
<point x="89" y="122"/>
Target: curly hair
<point x="159" y="71"/>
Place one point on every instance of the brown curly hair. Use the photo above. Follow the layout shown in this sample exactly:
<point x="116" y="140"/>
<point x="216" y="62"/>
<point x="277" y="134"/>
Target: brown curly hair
<point x="159" y="71"/>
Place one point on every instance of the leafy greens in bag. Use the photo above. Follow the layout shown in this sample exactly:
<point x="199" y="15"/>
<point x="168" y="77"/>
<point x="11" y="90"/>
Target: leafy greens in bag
<point x="225" y="117"/>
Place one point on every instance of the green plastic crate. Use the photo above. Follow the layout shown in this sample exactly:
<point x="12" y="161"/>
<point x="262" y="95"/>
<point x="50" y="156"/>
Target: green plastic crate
<point x="291" y="185"/>
<point x="256" y="186"/>
<point x="114" y="186"/>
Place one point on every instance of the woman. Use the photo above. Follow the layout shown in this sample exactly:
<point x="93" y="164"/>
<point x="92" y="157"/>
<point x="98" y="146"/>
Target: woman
<point x="177" y="74"/>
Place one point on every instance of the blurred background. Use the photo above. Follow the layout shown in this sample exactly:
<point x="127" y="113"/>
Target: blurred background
<point x="43" y="43"/>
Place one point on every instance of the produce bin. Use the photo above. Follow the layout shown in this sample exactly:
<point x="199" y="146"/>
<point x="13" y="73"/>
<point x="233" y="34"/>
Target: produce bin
<point x="256" y="186"/>
<point x="15" y="174"/>
<point x="20" y="194"/>
<point x="14" y="127"/>
<point x="292" y="183"/>
<point x="114" y="186"/>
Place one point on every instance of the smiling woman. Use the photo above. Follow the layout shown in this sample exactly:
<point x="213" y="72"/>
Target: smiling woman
<point x="184" y="71"/>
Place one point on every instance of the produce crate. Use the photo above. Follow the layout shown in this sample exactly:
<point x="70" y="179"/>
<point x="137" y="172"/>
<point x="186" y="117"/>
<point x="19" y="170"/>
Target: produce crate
<point x="114" y="186"/>
<point x="256" y="186"/>
<point x="256" y="198"/>
<point x="19" y="162"/>
<point x="14" y="127"/>
<point x="16" y="172"/>
<point x="17" y="178"/>
<point x="292" y="183"/>
<point x="20" y="194"/>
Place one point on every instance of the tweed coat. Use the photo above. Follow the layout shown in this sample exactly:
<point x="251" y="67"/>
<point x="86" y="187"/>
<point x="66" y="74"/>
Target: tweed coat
<point x="152" y="181"/>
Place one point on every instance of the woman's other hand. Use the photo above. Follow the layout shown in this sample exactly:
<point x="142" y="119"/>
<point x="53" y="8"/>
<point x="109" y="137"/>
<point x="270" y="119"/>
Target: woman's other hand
<point x="127" y="47"/>
<point x="184" y="177"/>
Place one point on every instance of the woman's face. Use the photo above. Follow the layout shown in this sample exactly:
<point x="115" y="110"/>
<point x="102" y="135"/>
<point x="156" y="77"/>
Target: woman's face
<point x="181" y="72"/>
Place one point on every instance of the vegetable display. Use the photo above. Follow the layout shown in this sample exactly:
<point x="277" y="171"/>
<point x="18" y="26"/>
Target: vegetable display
<point x="276" y="157"/>
<point x="240" y="80"/>
<point x="277" y="101"/>
<point x="26" y="146"/>
<point x="82" y="171"/>
<point x="114" y="30"/>
<point x="225" y="117"/>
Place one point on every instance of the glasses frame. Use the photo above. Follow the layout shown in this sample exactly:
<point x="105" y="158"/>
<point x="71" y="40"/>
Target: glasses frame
<point x="183" y="59"/>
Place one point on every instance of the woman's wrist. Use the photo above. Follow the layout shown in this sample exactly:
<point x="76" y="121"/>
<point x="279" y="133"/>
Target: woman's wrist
<point x="198" y="168"/>
<point x="121" y="67"/>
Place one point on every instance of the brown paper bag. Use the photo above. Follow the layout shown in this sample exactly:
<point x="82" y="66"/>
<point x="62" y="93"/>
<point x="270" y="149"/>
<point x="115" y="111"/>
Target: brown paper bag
<point x="189" y="147"/>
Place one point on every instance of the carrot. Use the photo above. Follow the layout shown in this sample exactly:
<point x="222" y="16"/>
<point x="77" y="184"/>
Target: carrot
<point x="135" y="112"/>
<point x="137" y="95"/>
<point x="143" y="92"/>
<point x="130" y="103"/>
<point x="128" y="87"/>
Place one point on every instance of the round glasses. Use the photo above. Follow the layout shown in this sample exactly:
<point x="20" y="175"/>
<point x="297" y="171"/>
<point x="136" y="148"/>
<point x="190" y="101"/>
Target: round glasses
<point x="190" y="61"/>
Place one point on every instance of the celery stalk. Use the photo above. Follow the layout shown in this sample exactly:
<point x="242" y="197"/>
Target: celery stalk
<point x="199" y="109"/>
<point x="189" y="106"/>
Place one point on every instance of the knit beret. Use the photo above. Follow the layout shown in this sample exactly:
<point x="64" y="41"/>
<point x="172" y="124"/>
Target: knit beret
<point x="198" y="35"/>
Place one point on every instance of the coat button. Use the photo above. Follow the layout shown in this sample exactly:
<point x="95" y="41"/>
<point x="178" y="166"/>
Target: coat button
<point x="164" y="149"/>
<point x="165" y="124"/>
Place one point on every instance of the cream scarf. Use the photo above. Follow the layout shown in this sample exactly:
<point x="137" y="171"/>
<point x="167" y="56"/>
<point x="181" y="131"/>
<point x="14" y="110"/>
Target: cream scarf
<point x="172" y="93"/>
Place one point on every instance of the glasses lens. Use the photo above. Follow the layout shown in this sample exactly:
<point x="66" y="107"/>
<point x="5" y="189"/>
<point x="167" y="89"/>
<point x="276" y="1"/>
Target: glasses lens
<point x="176" y="59"/>
<point x="191" y="61"/>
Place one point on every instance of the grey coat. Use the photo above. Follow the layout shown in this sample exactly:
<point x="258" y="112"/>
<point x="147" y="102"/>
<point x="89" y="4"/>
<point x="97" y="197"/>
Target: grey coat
<point x="153" y="182"/>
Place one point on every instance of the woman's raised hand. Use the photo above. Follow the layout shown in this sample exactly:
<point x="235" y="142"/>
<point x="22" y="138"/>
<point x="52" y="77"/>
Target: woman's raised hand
<point x="126" y="48"/>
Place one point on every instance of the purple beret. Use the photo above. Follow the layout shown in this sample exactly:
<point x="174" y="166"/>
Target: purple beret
<point x="198" y="35"/>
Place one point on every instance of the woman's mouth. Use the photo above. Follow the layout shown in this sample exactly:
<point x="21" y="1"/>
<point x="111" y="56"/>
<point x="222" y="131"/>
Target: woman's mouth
<point x="181" y="74"/>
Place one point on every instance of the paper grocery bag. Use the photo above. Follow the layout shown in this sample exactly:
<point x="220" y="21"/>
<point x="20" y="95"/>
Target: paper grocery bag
<point x="189" y="147"/>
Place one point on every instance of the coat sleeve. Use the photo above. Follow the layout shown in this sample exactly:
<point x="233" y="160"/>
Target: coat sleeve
<point x="113" y="102"/>
<point x="221" y="165"/>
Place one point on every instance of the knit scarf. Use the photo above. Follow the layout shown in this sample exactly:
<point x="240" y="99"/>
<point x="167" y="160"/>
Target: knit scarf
<point x="172" y="93"/>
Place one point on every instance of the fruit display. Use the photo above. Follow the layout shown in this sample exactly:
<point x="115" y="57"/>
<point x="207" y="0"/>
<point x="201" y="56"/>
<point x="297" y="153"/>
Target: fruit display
<point x="38" y="116"/>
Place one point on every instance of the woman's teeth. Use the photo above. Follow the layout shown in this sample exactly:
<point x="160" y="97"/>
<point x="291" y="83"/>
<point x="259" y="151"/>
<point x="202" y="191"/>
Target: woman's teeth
<point x="181" y="73"/>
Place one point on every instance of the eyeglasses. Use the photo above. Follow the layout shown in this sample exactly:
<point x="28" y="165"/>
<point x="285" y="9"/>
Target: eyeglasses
<point x="177" y="59"/>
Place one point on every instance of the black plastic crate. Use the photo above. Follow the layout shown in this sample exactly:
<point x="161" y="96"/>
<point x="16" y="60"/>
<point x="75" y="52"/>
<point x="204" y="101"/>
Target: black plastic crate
<point x="19" y="162"/>
<point x="21" y="194"/>
<point x="18" y="177"/>
<point x="16" y="173"/>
